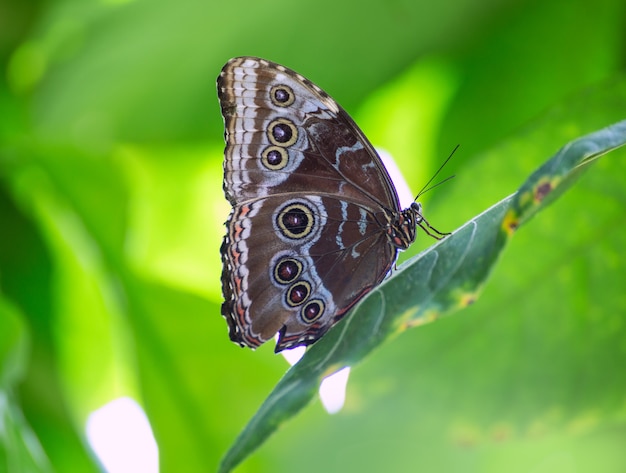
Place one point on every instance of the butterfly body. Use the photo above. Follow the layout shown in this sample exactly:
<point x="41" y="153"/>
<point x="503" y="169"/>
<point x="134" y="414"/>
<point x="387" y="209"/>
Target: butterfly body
<point x="316" y="223"/>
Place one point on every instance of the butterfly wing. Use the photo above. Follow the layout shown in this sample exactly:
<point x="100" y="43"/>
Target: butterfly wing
<point x="281" y="127"/>
<point x="310" y="197"/>
<point x="300" y="286"/>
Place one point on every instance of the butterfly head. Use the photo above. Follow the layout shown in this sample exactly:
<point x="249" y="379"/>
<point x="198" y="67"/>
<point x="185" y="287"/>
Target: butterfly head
<point x="401" y="227"/>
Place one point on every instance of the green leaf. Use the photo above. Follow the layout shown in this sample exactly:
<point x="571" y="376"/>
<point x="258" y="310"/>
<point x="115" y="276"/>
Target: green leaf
<point x="20" y="450"/>
<point x="442" y="279"/>
<point x="29" y="369"/>
<point x="13" y="344"/>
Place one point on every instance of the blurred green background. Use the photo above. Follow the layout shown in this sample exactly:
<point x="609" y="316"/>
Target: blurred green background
<point x="111" y="217"/>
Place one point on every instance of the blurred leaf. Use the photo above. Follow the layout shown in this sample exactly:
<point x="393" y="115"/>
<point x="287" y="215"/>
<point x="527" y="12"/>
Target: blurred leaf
<point x="13" y="345"/>
<point x="20" y="449"/>
<point x="26" y="281"/>
<point x="110" y="147"/>
<point x="444" y="278"/>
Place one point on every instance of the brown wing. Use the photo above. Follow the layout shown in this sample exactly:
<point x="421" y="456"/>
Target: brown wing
<point x="298" y="279"/>
<point x="292" y="156"/>
<point x="327" y="144"/>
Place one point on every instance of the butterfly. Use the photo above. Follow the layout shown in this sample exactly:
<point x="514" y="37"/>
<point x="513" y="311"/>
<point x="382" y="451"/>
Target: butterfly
<point x="315" y="223"/>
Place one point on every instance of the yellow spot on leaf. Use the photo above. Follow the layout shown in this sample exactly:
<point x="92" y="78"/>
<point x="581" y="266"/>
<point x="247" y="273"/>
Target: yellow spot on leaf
<point x="408" y="320"/>
<point x="510" y="222"/>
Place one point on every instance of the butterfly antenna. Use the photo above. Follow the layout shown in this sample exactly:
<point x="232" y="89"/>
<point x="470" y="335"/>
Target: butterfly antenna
<point x="426" y="188"/>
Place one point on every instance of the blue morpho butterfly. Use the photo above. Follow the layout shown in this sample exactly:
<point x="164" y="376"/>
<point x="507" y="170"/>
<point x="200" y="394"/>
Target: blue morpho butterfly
<point x="316" y="223"/>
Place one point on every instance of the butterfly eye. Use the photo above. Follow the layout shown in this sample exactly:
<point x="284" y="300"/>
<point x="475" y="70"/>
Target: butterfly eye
<point x="416" y="207"/>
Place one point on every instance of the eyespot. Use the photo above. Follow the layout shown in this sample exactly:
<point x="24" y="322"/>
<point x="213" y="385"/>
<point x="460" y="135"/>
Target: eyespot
<point x="298" y="293"/>
<point x="287" y="270"/>
<point x="282" y="95"/>
<point x="282" y="132"/>
<point x="295" y="221"/>
<point x="274" y="158"/>
<point x="312" y="311"/>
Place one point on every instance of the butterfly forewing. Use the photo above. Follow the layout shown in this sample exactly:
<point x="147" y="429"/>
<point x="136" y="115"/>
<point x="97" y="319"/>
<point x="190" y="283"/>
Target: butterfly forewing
<point x="327" y="145"/>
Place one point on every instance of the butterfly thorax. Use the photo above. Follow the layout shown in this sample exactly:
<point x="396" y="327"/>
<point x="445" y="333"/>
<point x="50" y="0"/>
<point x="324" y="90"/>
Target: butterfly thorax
<point x="401" y="227"/>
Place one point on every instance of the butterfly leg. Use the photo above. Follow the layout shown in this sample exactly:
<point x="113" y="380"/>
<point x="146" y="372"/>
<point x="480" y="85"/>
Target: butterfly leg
<point x="430" y="230"/>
